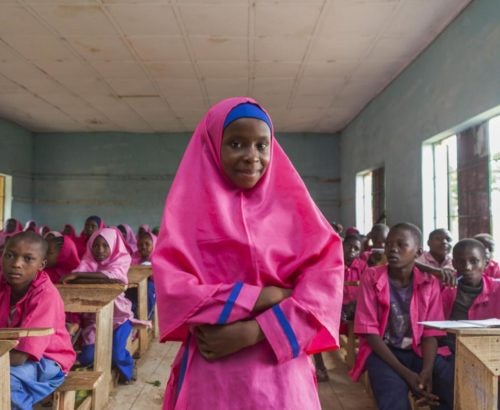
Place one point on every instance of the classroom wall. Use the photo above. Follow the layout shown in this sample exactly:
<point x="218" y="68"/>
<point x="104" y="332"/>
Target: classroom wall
<point x="125" y="177"/>
<point x="16" y="150"/>
<point x="453" y="80"/>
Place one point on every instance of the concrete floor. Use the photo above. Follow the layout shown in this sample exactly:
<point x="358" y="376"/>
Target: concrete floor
<point x="340" y="393"/>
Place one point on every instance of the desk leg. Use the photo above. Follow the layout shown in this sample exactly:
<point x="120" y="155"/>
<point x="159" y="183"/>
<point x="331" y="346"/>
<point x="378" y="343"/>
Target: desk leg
<point x="476" y="386"/>
<point x="142" y="312"/>
<point x="102" y="356"/>
<point x="5" y="381"/>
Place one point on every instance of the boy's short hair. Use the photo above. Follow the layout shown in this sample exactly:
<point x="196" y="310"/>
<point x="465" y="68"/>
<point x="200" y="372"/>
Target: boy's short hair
<point x="379" y="228"/>
<point x="469" y="243"/>
<point x="29" y="236"/>
<point x="436" y="231"/>
<point x="413" y="229"/>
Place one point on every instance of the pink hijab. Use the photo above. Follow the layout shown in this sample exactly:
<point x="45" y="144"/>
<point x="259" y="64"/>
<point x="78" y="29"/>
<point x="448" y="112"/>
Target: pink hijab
<point x="137" y="257"/>
<point x="272" y="234"/>
<point x="130" y="239"/>
<point x="116" y="265"/>
<point x="4" y="234"/>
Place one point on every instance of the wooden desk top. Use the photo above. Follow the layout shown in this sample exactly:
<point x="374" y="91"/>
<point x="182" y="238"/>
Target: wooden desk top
<point x="137" y="273"/>
<point x="476" y="331"/>
<point x="88" y="297"/>
<point x="7" y="345"/>
<point x="12" y="333"/>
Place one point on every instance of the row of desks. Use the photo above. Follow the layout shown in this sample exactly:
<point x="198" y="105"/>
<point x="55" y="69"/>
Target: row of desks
<point x="85" y="298"/>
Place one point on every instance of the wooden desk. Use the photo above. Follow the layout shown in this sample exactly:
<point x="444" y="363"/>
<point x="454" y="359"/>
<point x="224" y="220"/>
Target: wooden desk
<point x="98" y="299"/>
<point x="477" y="367"/>
<point x="8" y="341"/>
<point x="138" y="276"/>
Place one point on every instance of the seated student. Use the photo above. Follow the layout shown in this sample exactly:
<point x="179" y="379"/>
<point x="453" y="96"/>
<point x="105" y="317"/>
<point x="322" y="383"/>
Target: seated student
<point x="62" y="257"/>
<point x="144" y="228"/>
<point x="69" y="230"/>
<point x="438" y="255"/>
<point x="399" y="354"/>
<point x="12" y="226"/>
<point x="145" y="247"/>
<point x="129" y="237"/>
<point x="29" y="299"/>
<point x="92" y="224"/>
<point x="374" y="255"/>
<point x="477" y="295"/>
<point x="353" y="269"/>
<point x="492" y="268"/>
<point x="30" y="226"/>
<point x="106" y="261"/>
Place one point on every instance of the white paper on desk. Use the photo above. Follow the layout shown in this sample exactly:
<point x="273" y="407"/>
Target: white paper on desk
<point x="462" y="324"/>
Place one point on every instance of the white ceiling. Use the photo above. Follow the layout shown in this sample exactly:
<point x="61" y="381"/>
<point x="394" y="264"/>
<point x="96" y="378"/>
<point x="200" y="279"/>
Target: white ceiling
<point x="157" y="65"/>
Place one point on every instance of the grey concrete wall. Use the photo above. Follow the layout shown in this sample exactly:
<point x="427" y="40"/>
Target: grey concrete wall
<point x="125" y="177"/>
<point x="454" y="80"/>
<point x="16" y="151"/>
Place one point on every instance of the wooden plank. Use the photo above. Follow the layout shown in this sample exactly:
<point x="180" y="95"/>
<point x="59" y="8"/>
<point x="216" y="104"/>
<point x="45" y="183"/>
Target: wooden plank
<point x="82" y="380"/>
<point x="137" y="273"/>
<point x="479" y="331"/>
<point x="5" y="347"/>
<point x="142" y="312"/>
<point x="102" y="355"/>
<point x="84" y="298"/>
<point x="9" y="333"/>
<point x="476" y="387"/>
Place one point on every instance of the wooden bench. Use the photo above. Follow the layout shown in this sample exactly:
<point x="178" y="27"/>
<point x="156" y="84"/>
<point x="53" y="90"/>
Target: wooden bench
<point x="64" y="396"/>
<point x="8" y="341"/>
<point x="98" y="299"/>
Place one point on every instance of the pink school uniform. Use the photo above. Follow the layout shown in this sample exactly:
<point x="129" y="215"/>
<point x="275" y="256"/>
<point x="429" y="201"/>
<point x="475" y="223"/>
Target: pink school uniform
<point x="485" y="306"/>
<point x="428" y="259"/>
<point x="351" y="274"/>
<point x="373" y="308"/>
<point x="115" y="267"/>
<point x="42" y="306"/>
<point x="492" y="269"/>
<point x="212" y="261"/>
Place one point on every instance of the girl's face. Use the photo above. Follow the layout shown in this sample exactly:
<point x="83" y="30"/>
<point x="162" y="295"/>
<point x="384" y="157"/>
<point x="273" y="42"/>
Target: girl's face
<point x="52" y="253"/>
<point x="245" y="151"/>
<point x="100" y="249"/>
<point x="90" y="227"/>
<point x="145" y="246"/>
<point x="67" y="230"/>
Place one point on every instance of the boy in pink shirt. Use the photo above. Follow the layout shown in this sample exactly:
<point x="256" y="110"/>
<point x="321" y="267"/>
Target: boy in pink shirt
<point x="438" y="256"/>
<point x="399" y="354"/>
<point x="477" y="295"/>
<point x="29" y="299"/>
<point x="492" y="267"/>
<point x="353" y="269"/>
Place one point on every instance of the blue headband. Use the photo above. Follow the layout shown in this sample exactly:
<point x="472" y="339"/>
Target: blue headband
<point x="247" y="110"/>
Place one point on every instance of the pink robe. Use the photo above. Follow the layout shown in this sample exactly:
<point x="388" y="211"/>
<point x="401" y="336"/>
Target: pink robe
<point x="116" y="266"/>
<point x="218" y="247"/>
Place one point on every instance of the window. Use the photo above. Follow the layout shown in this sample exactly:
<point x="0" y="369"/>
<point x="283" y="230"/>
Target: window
<point x="5" y="198"/>
<point x="370" y="199"/>
<point x="494" y="146"/>
<point x="461" y="181"/>
<point x="440" y="187"/>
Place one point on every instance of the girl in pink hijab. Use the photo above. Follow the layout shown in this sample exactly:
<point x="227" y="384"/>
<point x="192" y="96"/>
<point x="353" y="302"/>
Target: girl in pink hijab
<point x="12" y="226"/>
<point x="248" y="272"/>
<point x="129" y="237"/>
<point x="107" y="260"/>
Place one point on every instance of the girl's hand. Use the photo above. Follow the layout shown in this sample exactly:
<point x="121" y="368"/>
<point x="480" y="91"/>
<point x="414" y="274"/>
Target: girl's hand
<point x="217" y="341"/>
<point x="270" y="296"/>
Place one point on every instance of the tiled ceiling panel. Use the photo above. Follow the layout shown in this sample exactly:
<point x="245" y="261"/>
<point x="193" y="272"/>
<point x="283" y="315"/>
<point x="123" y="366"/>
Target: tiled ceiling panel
<point x="157" y="65"/>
